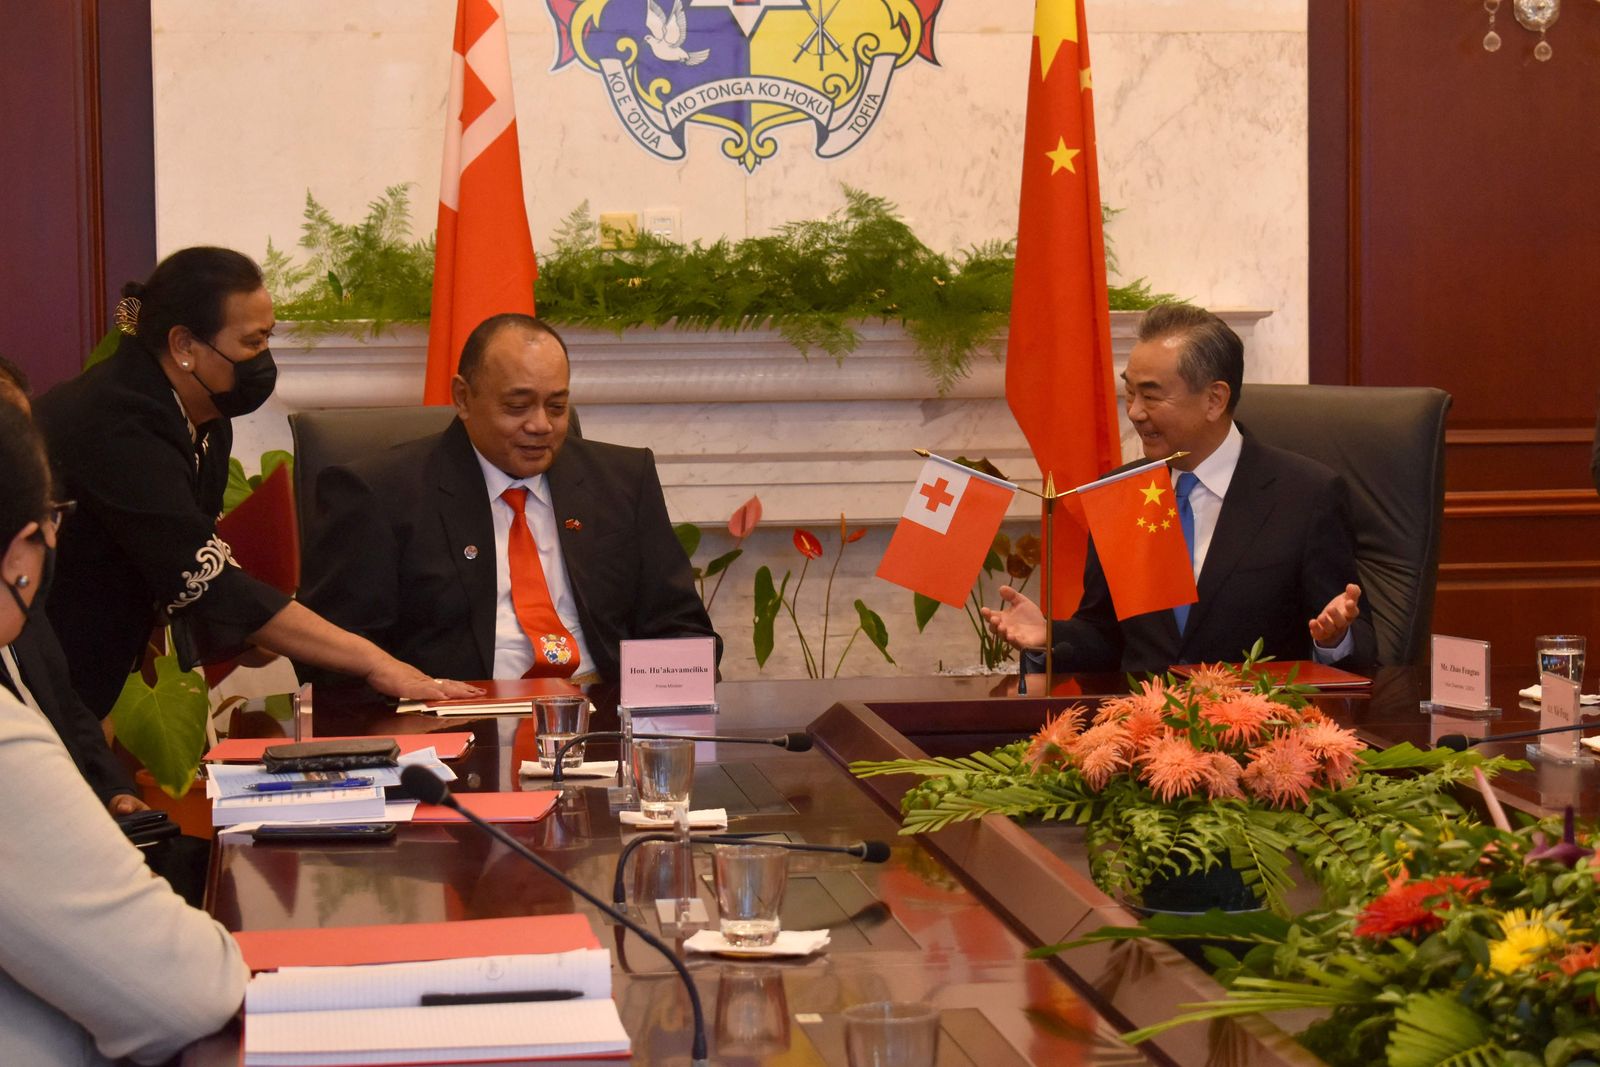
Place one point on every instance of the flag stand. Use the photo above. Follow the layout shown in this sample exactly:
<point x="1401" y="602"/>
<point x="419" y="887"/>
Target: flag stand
<point x="1050" y="497"/>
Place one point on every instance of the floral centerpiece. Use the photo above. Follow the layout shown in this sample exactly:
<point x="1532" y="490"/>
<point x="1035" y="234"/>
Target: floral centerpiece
<point x="1470" y="946"/>
<point x="1223" y="768"/>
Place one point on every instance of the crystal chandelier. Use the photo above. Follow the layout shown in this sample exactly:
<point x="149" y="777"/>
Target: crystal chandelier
<point x="1538" y="15"/>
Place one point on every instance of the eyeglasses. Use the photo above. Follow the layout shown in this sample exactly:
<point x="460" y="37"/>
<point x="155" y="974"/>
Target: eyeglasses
<point x="58" y="512"/>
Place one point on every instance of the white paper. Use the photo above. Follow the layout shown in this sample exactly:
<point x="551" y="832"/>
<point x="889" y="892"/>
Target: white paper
<point x="363" y="804"/>
<point x="703" y="819"/>
<point x="599" y="769"/>
<point x="789" y="943"/>
<point x="401" y="985"/>
<point x="1534" y="692"/>
<point x="227" y="780"/>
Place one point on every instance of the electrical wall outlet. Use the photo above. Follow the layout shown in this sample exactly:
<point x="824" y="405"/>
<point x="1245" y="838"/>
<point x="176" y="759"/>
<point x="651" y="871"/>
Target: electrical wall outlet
<point x="619" y="229"/>
<point x="663" y="223"/>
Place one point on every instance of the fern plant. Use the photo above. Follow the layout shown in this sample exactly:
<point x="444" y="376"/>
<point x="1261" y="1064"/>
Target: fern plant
<point x="1225" y="767"/>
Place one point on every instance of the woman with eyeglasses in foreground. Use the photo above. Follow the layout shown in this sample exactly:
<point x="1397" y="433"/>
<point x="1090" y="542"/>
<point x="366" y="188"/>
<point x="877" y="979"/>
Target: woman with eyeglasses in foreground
<point x="99" y="958"/>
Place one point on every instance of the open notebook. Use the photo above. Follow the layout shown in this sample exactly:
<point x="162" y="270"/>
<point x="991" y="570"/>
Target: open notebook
<point x="379" y="1014"/>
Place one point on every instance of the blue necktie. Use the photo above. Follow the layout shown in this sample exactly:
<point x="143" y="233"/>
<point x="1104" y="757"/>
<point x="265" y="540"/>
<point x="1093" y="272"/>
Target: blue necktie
<point x="1186" y="483"/>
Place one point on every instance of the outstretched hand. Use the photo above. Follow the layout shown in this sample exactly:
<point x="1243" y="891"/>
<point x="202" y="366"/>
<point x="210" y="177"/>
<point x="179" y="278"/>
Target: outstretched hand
<point x="1328" y="628"/>
<point x="404" y="682"/>
<point x="1019" y="621"/>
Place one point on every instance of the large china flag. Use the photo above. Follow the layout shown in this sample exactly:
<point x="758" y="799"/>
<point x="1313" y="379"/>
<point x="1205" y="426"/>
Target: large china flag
<point x="1059" y="379"/>
<point x="1133" y="517"/>
<point x="483" y="260"/>
<point x="947" y="528"/>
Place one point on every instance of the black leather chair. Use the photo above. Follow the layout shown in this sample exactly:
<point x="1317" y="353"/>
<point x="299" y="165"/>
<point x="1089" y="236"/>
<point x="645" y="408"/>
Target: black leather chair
<point x="327" y="437"/>
<point x="1389" y="445"/>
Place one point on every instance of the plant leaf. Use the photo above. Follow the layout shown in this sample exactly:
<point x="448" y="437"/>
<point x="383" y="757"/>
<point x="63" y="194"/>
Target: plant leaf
<point x="923" y="607"/>
<point x="720" y="564"/>
<point x="688" y="535"/>
<point x="873" y="627"/>
<point x="745" y="518"/>
<point x="767" y="600"/>
<point x="165" y="725"/>
<point x="807" y="544"/>
<point x="274" y="458"/>
<point x="238" y="486"/>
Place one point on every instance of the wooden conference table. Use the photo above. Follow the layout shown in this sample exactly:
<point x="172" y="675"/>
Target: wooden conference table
<point x="947" y="919"/>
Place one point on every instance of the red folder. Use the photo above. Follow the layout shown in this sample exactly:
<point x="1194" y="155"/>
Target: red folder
<point x="338" y="946"/>
<point x="514" y="691"/>
<point x="449" y="745"/>
<point x="494" y="807"/>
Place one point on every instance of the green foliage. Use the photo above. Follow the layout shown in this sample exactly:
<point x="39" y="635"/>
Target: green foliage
<point x="239" y="486"/>
<point x="812" y="281"/>
<point x="103" y="350"/>
<point x="768" y="599"/>
<point x="164" y="726"/>
<point x="369" y="270"/>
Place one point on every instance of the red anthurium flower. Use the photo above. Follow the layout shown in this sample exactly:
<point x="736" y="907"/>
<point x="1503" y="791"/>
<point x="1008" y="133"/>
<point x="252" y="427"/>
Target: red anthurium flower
<point x="807" y="544"/>
<point x="744" y="520"/>
<point x="856" y="535"/>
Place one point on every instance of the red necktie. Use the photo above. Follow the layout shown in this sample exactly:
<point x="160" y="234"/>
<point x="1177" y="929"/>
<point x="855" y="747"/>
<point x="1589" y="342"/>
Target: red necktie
<point x="555" y="653"/>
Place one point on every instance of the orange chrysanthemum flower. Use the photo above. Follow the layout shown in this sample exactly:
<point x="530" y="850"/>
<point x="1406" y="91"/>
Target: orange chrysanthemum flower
<point x="1051" y="743"/>
<point x="1414" y="908"/>
<point x="1216" y="679"/>
<point x="1243" y="716"/>
<point x="1221" y="776"/>
<point x="1099" y="763"/>
<point x="1335" y="747"/>
<point x="1282" y="771"/>
<point x="1151" y="697"/>
<point x="1173" y="767"/>
<point x="1579" y="958"/>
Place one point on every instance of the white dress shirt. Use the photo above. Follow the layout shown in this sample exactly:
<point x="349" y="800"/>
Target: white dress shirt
<point x="513" y="652"/>
<point x="1215" y="474"/>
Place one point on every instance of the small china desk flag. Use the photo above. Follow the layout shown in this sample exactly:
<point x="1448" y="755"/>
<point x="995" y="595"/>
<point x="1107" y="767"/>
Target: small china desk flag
<point x="1133" y="520"/>
<point x="947" y="529"/>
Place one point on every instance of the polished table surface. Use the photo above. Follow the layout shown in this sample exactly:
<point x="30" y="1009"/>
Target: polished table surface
<point x="910" y="929"/>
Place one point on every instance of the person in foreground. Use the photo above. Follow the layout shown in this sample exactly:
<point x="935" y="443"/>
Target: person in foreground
<point x="141" y="442"/>
<point x="34" y="669"/>
<point x="1272" y="548"/>
<point x="502" y="548"/>
<point x="100" y="959"/>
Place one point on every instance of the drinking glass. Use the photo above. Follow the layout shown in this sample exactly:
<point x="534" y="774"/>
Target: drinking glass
<point x="750" y="884"/>
<point x="1562" y="654"/>
<point x="663" y="771"/>
<point x="890" y="1034"/>
<point x="559" y="720"/>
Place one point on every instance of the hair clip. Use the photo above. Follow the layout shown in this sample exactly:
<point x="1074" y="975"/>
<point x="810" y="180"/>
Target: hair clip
<point x="126" y="315"/>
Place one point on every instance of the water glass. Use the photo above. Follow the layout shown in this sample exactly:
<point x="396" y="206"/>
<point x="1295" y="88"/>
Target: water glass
<point x="1562" y="654"/>
<point x="891" y="1034"/>
<point x="559" y="720"/>
<point x="663" y="772"/>
<point x="750" y="884"/>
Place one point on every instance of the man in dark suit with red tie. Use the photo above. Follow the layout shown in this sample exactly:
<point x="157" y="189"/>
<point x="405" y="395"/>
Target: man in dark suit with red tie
<point x="502" y="548"/>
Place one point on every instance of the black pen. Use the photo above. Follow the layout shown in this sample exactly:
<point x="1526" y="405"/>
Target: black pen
<point x="510" y="996"/>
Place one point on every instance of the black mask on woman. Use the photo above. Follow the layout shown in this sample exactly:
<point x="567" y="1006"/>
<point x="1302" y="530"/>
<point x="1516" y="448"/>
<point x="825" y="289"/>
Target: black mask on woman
<point x="253" y="382"/>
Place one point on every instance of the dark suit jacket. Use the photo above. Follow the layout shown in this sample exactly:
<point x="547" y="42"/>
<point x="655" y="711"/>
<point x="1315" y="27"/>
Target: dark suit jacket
<point x="1281" y="550"/>
<point x="44" y="672"/>
<point x="388" y="553"/>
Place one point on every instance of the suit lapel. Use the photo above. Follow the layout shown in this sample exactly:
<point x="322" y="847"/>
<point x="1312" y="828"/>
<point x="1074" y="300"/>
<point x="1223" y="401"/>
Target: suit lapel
<point x="463" y="506"/>
<point x="1244" y="511"/>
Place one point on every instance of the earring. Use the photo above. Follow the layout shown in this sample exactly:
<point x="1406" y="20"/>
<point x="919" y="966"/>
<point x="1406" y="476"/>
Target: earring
<point x="23" y="581"/>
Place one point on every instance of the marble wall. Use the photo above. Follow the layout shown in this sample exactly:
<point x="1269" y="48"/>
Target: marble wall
<point x="1201" y="110"/>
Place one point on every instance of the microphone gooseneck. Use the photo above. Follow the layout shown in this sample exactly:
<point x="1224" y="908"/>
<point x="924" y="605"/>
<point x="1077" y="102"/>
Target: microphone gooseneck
<point x="866" y="851"/>
<point x="792" y="742"/>
<point x="423" y="784"/>
<point x="1461" y="742"/>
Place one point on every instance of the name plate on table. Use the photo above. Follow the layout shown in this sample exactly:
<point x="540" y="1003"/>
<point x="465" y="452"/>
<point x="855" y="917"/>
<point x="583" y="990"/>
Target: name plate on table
<point x="1460" y="675"/>
<point x="1558" y="706"/>
<point x="675" y="672"/>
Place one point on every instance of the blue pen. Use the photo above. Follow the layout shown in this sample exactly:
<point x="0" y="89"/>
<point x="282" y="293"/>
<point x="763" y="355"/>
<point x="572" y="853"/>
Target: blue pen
<point x="302" y="786"/>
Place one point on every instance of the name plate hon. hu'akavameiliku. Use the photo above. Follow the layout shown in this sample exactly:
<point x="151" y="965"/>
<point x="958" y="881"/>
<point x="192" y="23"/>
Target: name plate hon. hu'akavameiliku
<point x="676" y="672"/>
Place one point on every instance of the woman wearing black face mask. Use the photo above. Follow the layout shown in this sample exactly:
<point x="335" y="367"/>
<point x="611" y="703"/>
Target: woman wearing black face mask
<point x="141" y="441"/>
<point x="99" y="960"/>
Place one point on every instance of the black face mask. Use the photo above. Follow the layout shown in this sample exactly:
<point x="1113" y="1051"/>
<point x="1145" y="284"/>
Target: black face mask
<point x="46" y="575"/>
<point x="253" y="382"/>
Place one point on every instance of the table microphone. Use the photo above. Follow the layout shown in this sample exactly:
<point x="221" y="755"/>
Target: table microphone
<point x="793" y="742"/>
<point x="424" y="785"/>
<point x="866" y="851"/>
<point x="1461" y="742"/>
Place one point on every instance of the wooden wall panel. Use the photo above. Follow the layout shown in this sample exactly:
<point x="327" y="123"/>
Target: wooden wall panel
<point x="1455" y="242"/>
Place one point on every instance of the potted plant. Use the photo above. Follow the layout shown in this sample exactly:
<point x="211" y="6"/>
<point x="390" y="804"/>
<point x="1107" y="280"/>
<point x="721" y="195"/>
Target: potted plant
<point x="1186" y="777"/>
<point x="1468" y="945"/>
